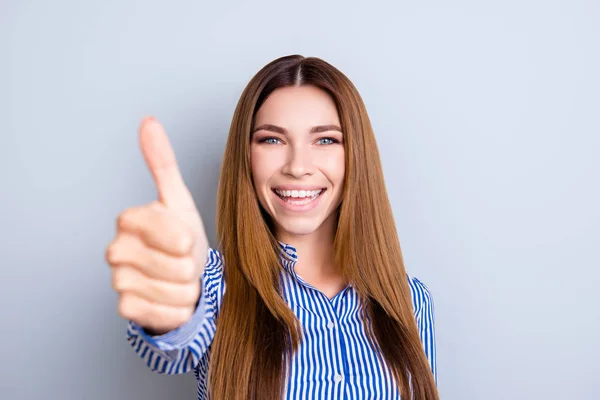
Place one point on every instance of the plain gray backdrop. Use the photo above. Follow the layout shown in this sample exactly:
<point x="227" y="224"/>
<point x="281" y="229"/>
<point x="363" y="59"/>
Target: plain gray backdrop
<point x="487" y="116"/>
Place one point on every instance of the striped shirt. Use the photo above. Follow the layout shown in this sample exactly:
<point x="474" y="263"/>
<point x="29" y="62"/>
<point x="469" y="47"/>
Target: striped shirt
<point x="335" y="359"/>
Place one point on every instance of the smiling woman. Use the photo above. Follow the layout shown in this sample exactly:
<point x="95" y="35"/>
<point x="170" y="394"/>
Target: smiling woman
<point x="297" y="151"/>
<point x="306" y="295"/>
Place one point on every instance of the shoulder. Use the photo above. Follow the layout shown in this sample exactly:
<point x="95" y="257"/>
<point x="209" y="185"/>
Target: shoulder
<point x="424" y="314"/>
<point x="422" y="298"/>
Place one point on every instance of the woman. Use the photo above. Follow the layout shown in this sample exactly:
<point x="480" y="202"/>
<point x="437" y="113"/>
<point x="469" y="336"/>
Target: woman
<point x="307" y="296"/>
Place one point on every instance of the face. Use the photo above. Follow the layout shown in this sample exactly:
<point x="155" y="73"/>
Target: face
<point x="297" y="155"/>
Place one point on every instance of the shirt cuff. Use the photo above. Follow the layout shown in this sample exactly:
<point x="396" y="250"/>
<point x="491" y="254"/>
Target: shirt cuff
<point x="182" y="336"/>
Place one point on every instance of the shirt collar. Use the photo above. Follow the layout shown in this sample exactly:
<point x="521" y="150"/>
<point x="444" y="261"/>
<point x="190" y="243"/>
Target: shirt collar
<point x="288" y="257"/>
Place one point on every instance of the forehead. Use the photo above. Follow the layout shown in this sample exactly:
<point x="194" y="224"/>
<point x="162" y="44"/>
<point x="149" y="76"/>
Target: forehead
<point x="303" y="105"/>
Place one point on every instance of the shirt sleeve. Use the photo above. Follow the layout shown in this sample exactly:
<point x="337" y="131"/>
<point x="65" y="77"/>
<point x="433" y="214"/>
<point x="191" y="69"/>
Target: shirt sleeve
<point x="180" y="350"/>
<point x="424" y="314"/>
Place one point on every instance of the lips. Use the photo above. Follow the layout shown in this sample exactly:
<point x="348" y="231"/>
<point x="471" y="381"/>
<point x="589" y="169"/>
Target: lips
<point x="299" y="200"/>
<point x="298" y="194"/>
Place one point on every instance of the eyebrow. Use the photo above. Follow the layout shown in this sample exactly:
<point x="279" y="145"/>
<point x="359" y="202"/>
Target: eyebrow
<point x="283" y="131"/>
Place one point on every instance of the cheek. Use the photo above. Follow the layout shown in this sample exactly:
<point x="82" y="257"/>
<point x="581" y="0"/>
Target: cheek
<point x="334" y="166"/>
<point x="253" y="164"/>
<point x="258" y="167"/>
<point x="264" y="165"/>
<point x="259" y="177"/>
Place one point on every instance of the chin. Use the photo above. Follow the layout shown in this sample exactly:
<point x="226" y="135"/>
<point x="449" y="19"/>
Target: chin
<point x="298" y="228"/>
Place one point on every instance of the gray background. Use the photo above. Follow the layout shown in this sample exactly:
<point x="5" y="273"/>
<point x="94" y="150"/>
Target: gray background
<point x="486" y="114"/>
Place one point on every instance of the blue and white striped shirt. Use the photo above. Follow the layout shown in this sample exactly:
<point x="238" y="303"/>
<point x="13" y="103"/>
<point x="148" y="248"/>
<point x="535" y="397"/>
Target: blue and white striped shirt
<point x="335" y="359"/>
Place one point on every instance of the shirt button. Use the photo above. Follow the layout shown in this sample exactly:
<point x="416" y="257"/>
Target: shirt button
<point x="337" y="378"/>
<point x="330" y="325"/>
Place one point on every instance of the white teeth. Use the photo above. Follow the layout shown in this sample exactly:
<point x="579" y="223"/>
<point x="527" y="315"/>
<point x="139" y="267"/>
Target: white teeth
<point x="301" y="194"/>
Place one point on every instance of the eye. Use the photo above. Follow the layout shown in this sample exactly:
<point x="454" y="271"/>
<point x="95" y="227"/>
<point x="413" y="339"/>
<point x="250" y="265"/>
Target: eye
<point x="327" y="140"/>
<point x="269" y="140"/>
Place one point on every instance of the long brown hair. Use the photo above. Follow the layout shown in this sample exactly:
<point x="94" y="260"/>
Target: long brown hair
<point x="256" y="329"/>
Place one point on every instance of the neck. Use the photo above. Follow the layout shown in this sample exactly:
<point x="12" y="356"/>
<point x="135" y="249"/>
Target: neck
<point x="315" y="257"/>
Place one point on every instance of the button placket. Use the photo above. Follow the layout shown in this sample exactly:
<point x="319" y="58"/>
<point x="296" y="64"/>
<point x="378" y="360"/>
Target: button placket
<point x="338" y="307"/>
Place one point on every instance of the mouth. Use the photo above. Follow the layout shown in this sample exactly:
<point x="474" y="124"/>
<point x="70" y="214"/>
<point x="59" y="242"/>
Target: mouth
<point x="299" y="197"/>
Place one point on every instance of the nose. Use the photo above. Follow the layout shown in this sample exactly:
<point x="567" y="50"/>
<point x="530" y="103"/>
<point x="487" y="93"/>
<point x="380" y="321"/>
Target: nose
<point x="299" y="162"/>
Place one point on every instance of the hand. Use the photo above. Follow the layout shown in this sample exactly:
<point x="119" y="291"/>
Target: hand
<point x="160" y="249"/>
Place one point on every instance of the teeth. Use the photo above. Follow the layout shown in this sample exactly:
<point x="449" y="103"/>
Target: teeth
<point x="301" y="194"/>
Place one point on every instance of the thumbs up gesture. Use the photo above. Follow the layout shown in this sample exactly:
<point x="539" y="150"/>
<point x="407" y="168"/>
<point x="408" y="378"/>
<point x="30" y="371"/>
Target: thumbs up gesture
<point x="160" y="249"/>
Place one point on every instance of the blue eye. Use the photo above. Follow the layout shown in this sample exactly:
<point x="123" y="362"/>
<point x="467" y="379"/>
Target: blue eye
<point x="269" y="140"/>
<point x="330" y="140"/>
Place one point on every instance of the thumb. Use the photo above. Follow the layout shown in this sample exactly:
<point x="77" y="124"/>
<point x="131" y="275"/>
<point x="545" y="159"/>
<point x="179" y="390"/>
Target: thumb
<point x="161" y="161"/>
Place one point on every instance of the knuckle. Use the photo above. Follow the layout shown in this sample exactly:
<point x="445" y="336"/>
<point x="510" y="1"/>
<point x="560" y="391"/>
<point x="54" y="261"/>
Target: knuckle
<point x="190" y="294"/>
<point x="153" y="259"/>
<point x="126" y="309"/>
<point x="187" y="269"/>
<point x="156" y="291"/>
<point x="111" y="254"/>
<point x="120" y="283"/>
<point x="124" y="249"/>
<point x="124" y="219"/>
<point x="178" y="233"/>
<point x="183" y="314"/>
<point x="183" y="242"/>
<point x="116" y="281"/>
